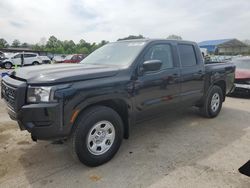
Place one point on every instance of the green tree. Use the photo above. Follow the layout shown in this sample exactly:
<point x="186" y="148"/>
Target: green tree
<point x="16" y="43"/>
<point x="82" y="50"/>
<point x="69" y="46"/>
<point x="3" y="43"/>
<point x="52" y="42"/>
<point x="174" y="37"/>
<point x="130" y="37"/>
<point x="38" y="47"/>
<point x="55" y="45"/>
<point x="25" y="45"/>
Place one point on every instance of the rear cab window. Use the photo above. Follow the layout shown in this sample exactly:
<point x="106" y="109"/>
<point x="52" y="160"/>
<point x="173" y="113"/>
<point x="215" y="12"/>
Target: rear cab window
<point x="187" y="55"/>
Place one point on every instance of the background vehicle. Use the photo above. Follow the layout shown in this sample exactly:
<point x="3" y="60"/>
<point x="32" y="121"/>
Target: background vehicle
<point x="242" y="75"/>
<point x="45" y="59"/>
<point x="75" y="58"/>
<point x="58" y="58"/>
<point x="1" y="55"/>
<point x="29" y="59"/>
<point x="94" y="104"/>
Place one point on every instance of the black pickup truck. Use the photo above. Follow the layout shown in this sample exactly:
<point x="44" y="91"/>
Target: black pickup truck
<point x="94" y="104"/>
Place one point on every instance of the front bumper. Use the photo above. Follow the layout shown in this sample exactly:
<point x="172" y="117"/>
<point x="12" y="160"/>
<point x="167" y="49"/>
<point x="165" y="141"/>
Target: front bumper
<point x="43" y="121"/>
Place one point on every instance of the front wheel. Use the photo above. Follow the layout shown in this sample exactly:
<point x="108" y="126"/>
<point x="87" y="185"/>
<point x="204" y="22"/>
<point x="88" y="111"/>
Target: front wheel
<point x="7" y="65"/>
<point x="213" y="102"/>
<point x="97" y="136"/>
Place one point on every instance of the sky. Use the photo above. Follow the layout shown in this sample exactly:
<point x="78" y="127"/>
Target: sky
<point x="96" y="20"/>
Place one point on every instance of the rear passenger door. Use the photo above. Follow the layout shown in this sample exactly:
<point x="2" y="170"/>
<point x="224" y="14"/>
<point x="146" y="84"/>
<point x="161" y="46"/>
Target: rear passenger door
<point x="192" y="73"/>
<point x="29" y="59"/>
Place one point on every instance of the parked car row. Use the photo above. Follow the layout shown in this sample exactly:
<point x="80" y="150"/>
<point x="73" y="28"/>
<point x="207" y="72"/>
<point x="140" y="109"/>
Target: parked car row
<point x="74" y="58"/>
<point x="28" y="58"/>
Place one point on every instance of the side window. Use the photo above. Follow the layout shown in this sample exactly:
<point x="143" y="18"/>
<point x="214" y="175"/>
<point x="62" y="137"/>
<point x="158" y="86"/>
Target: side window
<point x="187" y="55"/>
<point x="29" y="55"/>
<point x="26" y="55"/>
<point x="33" y="55"/>
<point x="17" y="56"/>
<point x="80" y="57"/>
<point x="74" y="57"/>
<point x="161" y="52"/>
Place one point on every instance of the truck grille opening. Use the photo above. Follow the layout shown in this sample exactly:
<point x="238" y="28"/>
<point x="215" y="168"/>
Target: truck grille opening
<point x="9" y="94"/>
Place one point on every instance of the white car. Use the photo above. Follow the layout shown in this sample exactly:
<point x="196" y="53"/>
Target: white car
<point x="45" y="59"/>
<point x="29" y="59"/>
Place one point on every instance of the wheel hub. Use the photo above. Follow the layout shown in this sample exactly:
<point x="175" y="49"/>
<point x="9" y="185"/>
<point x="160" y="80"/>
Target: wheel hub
<point x="101" y="137"/>
<point x="215" y="102"/>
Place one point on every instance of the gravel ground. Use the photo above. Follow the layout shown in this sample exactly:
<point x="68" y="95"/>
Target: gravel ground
<point x="180" y="149"/>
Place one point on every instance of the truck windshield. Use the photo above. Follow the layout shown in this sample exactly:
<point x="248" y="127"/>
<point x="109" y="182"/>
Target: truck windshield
<point x="119" y="54"/>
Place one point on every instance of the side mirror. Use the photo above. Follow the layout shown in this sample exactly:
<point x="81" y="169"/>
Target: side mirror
<point x="152" y="65"/>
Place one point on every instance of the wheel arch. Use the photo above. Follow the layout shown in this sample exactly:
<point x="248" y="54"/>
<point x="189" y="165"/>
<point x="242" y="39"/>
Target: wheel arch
<point x="222" y="85"/>
<point x="35" y="62"/>
<point x="119" y="105"/>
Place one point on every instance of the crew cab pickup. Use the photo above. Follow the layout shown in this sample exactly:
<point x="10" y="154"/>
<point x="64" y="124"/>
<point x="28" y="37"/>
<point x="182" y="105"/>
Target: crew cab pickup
<point x="94" y="104"/>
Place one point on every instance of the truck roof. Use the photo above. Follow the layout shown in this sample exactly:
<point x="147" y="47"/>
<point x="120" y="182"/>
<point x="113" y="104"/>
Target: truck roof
<point x="148" y="40"/>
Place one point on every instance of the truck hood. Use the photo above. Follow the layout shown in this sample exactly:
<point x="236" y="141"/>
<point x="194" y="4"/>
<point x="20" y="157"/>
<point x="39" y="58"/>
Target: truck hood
<point x="63" y="73"/>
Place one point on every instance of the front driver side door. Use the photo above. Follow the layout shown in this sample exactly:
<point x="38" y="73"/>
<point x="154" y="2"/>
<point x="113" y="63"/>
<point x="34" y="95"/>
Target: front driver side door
<point x="157" y="91"/>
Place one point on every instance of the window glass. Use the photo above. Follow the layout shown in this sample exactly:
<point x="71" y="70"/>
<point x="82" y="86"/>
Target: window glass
<point x="74" y="57"/>
<point x="120" y="54"/>
<point x="187" y="55"/>
<point x="161" y="52"/>
<point x="17" y="56"/>
<point x="29" y="55"/>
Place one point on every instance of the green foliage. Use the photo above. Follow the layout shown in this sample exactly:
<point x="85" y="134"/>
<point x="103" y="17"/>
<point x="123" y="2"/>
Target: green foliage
<point x="130" y="37"/>
<point x="3" y="43"/>
<point x="16" y="43"/>
<point x="55" y="45"/>
<point x="24" y="45"/>
<point x="174" y="37"/>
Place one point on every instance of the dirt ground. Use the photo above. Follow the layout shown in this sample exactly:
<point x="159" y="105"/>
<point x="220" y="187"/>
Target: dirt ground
<point x="180" y="149"/>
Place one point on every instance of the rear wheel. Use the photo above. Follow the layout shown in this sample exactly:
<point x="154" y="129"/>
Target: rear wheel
<point x="35" y="63"/>
<point x="7" y="65"/>
<point x="97" y="136"/>
<point x="213" y="102"/>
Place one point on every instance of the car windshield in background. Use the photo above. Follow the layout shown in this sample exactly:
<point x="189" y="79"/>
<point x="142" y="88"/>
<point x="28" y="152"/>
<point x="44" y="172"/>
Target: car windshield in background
<point x="119" y="54"/>
<point x="242" y="64"/>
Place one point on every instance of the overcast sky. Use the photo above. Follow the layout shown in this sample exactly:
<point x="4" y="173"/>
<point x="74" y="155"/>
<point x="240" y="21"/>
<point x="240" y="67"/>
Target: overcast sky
<point x="95" y="20"/>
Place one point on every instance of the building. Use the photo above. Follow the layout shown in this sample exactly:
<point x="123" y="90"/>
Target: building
<point x="224" y="47"/>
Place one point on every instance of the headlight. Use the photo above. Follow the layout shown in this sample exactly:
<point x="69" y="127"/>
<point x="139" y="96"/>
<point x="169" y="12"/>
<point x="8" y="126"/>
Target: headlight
<point x="39" y="94"/>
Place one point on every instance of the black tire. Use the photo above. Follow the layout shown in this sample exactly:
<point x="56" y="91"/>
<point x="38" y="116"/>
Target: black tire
<point x="79" y="137"/>
<point x="35" y="63"/>
<point x="207" y="110"/>
<point x="7" y="65"/>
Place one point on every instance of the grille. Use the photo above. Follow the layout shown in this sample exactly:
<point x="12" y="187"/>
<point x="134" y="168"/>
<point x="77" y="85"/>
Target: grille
<point x="9" y="94"/>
